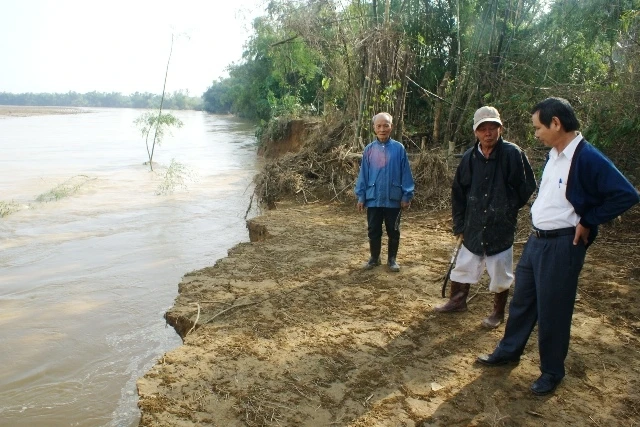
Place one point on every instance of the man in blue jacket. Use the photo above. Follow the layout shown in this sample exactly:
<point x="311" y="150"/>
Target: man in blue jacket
<point x="580" y="189"/>
<point x="384" y="187"/>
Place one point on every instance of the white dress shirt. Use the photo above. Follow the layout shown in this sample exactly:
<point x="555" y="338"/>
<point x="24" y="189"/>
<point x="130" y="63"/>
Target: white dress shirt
<point x="552" y="210"/>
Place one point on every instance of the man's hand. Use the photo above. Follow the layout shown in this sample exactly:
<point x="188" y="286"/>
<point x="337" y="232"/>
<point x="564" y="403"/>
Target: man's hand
<point x="582" y="233"/>
<point x="405" y="205"/>
<point x="360" y="206"/>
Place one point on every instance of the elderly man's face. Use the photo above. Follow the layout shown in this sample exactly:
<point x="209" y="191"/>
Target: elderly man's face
<point x="488" y="134"/>
<point x="382" y="127"/>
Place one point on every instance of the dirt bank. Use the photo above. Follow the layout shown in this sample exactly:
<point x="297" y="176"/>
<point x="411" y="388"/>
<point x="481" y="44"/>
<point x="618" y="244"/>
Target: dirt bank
<point x="291" y="332"/>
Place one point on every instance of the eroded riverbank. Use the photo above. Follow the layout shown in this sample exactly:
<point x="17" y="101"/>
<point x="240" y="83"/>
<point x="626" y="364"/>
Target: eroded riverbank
<point x="290" y="331"/>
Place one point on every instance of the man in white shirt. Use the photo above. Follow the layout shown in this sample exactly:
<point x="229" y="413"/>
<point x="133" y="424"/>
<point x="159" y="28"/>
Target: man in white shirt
<point x="580" y="189"/>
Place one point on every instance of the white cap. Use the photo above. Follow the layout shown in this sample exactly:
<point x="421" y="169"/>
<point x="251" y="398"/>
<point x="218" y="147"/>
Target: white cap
<point x="486" y="114"/>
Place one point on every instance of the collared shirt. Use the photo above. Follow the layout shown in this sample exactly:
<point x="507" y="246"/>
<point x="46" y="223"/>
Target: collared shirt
<point x="552" y="210"/>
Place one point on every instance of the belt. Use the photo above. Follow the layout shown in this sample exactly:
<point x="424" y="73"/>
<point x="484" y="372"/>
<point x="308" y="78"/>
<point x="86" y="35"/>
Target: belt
<point x="549" y="234"/>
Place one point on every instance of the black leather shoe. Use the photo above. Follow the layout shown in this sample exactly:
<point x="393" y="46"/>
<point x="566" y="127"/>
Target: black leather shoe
<point x="393" y="265"/>
<point x="493" y="360"/>
<point x="545" y="384"/>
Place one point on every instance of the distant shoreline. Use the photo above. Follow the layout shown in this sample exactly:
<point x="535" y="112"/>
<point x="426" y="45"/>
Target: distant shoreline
<point x="28" y="111"/>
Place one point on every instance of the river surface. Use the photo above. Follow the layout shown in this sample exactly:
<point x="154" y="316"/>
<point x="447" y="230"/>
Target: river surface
<point x="91" y="257"/>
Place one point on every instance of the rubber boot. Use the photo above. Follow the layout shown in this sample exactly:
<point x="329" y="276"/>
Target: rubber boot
<point x="374" y="249"/>
<point x="391" y="255"/>
<point x="499" y="304"/>
<point x="458" y="299"/>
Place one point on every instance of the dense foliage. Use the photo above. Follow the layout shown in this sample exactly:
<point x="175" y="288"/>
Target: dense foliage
<point x="179" y="100"/>
<point x="431" y="63"/>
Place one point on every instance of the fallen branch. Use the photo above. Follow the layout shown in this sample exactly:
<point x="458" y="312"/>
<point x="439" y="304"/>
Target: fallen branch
<point x="196" y="322"/>
<point x="220" y="313"/>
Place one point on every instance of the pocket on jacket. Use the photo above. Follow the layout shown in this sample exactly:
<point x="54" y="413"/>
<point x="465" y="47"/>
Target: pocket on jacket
<point x="395" y="193"/>
<point x="371" y="192"/>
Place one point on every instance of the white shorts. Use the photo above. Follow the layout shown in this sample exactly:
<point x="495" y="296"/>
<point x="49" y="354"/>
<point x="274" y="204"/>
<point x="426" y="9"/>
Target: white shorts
<point x="469" y="268"/>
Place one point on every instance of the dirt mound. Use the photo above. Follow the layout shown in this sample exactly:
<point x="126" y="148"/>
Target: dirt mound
<point x="288" y="330"/>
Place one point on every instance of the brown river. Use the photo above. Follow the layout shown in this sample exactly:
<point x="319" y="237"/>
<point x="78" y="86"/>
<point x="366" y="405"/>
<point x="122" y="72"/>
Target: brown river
<point x="93" y="246"/>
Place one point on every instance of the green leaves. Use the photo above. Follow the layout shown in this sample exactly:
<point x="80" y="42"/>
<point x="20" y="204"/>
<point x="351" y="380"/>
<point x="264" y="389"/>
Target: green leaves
<point x="161" y="122"/>
<point x="157" y="123"/>
<point x="326" y="81"/>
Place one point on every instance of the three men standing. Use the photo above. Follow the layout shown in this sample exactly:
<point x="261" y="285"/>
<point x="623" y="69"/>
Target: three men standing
<point x="384" y="187"/>
<point x="492" y="182"/>
<point x="579" y="190"/>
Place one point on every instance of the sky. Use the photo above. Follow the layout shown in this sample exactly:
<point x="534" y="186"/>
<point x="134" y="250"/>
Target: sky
<point x="120" y="46"/>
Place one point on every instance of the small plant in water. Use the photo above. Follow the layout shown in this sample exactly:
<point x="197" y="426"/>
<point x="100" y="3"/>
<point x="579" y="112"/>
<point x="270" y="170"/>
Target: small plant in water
<point x="66" y="189"/>
<point x="7" y="208"/>
<point x="158" y="122"/>
<point x="176" y="176"/>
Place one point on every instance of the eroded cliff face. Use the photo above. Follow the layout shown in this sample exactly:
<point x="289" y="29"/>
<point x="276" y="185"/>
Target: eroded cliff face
<point x="182" y="320"/>
<point x="294" y="134"/>
<point x="257" y="230"/>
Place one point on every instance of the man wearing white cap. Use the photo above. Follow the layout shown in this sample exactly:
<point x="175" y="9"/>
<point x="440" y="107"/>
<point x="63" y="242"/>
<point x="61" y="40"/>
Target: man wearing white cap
<point x="493" y="181"/>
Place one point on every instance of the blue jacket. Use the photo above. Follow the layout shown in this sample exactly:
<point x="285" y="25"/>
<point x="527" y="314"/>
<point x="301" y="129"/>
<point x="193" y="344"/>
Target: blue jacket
<point x="596" y="189"/>
<point x="385" y="175"/>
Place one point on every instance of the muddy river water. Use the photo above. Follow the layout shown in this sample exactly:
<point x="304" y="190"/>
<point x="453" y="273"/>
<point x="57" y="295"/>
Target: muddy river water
<point x="94" y="248"/>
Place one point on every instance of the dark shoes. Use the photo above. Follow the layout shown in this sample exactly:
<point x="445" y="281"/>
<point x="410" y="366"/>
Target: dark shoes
<point x="392" y="252"/>
<point x="497" y="360"/>
<point x="373" y="262"/>
<point x="545" y="384"/>
<point x="374" y="249"/>
<point x="393" y="265"/>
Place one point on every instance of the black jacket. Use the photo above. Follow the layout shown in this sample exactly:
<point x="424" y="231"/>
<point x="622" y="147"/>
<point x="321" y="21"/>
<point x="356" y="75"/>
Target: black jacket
<point x="487" y="194"/>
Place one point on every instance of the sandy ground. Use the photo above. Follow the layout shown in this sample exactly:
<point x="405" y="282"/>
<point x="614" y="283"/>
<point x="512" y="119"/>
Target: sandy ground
<point x="291" y="332"/>
<point x="26" y="111"/>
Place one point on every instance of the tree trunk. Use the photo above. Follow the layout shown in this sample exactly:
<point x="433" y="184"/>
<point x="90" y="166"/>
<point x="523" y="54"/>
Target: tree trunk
<point x="463" y="114"/>
<point x="437" y="111"/>
<point x="401" y="99"/>
<point x="460" y="82"/>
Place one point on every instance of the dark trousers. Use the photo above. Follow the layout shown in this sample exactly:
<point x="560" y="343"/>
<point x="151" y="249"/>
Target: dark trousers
<point x="544" y="292"/>
<point x="375" y="218"/>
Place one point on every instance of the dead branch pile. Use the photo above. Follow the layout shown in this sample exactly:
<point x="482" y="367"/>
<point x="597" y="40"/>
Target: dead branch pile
<point x="433" y="178"/>
<point x="326" y="169"/>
